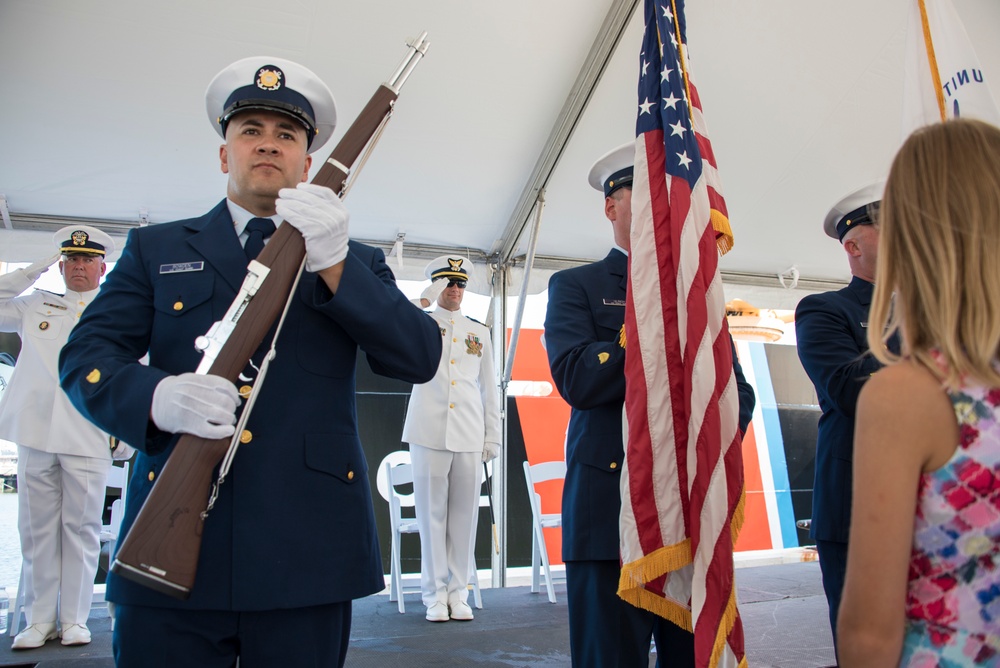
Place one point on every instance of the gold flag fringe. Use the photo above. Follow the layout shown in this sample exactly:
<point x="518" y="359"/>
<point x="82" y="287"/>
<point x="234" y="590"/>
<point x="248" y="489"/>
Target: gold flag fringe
<point x="635" y="575"/>
<point x="730" y="613"/>
<point x="723" y="232"/>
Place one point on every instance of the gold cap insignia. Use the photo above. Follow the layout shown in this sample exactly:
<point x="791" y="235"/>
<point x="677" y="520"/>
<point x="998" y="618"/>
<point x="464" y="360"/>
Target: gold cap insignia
<point x="269" y="78"/>
<point x="456" y="265"/>
<point x="79" y="238"/>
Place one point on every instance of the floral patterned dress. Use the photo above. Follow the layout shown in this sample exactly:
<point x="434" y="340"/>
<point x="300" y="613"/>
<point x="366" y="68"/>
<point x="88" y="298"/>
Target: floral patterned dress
<point x="953" y="597"/>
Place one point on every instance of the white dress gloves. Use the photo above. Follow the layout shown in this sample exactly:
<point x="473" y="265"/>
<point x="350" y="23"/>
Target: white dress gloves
<point x="434" y="290"/>
<point x="321" y="217"/>
<point x="490" y="451"/>
<point x="191" y="403"/>
<point x="39" y="267"/>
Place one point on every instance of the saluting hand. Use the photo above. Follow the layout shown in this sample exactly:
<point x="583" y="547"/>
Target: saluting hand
<point x="39" y="267"/>
<point x="434" y="290"/>
<point x="321" y="217"/>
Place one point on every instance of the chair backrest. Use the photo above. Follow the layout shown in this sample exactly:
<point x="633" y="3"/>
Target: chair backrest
<point x="395" y="470"/>
<point x="538" y="473"/>
<point x="118" y="478"/>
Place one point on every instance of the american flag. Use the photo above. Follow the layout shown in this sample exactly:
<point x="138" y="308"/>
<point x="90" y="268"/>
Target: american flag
<point x="682" y="487"/>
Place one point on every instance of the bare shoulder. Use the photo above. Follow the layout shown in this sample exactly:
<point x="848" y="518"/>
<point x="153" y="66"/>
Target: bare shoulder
<point x="908" y="402"/>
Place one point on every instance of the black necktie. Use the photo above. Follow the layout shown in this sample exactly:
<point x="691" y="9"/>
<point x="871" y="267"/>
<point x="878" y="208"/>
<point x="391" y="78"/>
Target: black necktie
<point x="258" y="229"/>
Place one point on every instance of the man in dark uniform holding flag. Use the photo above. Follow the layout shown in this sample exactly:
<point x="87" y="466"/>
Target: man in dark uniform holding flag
<point x="831" y="333"/>
<point x="584" y="340"/>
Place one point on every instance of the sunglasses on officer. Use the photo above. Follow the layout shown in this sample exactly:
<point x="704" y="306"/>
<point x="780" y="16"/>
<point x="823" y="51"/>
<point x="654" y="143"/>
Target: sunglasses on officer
<point x="452" y="282"/>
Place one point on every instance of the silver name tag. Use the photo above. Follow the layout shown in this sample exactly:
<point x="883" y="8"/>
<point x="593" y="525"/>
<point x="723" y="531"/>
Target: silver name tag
<point x="181" y="267"/>
<point x="614" y="302"/>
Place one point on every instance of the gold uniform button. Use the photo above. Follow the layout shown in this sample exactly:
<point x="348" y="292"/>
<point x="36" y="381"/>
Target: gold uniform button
<point x="246" y="436"/>
<point x="452" y="382"/>
<point x="178" y="306"/>
<point x="151" y="476"/>
<point x="82" y="303"/>
<point x="451" y="405"/>
<point x="454" y="340"/>
<point x="614" y="465"/>
<point x="245" y="391"/>
<point x="453" y="361"/>
<point x="350" y="475"/>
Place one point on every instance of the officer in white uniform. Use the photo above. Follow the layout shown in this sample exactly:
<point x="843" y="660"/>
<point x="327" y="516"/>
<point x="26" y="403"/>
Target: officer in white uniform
<point x="452" y="426"/>
<point x="62" y="459"/>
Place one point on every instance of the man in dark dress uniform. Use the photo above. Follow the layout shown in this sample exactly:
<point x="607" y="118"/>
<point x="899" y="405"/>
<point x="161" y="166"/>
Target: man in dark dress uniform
<point x="585" y="315"/>
<point x="831" y="330"/>
<point x="291" y="539"/>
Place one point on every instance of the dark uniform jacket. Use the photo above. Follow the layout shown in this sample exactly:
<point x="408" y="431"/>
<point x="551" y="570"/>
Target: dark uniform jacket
<point x="294" y="524"/>
<point x="831" y="331"/>
<point x="585" y="314"/>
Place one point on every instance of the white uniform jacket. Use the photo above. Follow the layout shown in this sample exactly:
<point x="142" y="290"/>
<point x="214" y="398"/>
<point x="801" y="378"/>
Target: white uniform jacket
<point x="459" y="409"/>
<point x="35" y="412"/>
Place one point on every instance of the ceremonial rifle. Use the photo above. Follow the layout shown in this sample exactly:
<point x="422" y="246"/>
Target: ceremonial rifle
<point x="161" y="548"/>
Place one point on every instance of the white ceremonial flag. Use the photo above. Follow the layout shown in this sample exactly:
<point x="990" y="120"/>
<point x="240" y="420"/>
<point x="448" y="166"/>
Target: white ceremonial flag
<point x="942" y="75"/>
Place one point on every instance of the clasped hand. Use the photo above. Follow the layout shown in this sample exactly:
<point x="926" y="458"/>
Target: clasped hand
<point x="319" y="215"/>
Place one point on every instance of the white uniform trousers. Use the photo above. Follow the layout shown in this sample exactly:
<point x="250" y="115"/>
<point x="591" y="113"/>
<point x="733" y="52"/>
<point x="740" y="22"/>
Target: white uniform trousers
<point x="60" y="501"/>
<point x="446" y="500"/>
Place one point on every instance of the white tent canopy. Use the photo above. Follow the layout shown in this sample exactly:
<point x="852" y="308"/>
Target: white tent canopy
<point x="104" y="115"/>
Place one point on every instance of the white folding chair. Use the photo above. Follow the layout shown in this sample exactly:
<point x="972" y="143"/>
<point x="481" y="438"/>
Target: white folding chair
<point x="117" y="479"/>
<point x="533" y="475"/>
<point x="394" y="471"/>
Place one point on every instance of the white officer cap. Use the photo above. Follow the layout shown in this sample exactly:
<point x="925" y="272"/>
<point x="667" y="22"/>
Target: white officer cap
<point x="613" y="170"/>
<point x="83" y="240"/>
<point x="856" y="208"/>
<point x="273" y="84"/>
<point x="449" y="266"/>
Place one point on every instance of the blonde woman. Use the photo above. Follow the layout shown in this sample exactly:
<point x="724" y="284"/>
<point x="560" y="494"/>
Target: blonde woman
<point x="923" y="569"/>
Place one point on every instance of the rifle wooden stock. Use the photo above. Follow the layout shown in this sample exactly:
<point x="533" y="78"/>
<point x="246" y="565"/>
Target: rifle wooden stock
<point x="161" y="548"/>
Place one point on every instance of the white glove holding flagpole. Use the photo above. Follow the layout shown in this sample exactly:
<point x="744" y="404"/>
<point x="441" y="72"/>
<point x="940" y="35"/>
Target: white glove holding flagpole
<point x="39" y="267"/>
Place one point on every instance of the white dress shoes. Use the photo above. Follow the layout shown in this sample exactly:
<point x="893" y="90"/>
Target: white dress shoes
<point x="34" y="636"/>
<point x="437" y="612"/>
<point x="75" y="634"/>
<point x="461" y="611"/>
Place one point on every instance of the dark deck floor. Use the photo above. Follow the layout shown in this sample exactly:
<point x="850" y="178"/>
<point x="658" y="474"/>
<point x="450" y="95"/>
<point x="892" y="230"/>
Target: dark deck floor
<point x="783" y="608"/>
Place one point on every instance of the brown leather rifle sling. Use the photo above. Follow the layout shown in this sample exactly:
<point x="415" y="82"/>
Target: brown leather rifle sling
<point x="161" y="548"/>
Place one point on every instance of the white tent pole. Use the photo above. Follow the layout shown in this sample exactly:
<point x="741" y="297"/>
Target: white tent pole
<point x="498" y="315"/>
<point x="522" y="296"/>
